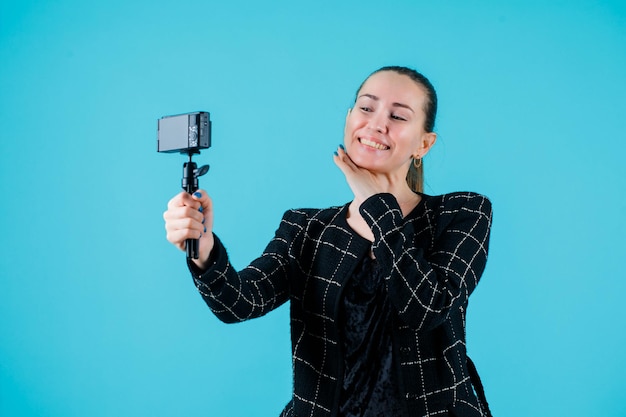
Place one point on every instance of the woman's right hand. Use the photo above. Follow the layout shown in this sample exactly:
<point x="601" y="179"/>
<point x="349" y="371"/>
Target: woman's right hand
<point x="190" y="216"/>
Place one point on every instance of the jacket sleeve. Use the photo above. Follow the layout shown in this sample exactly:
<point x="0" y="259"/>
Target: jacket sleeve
<point x="426" y="285"/>
<point x="257" y="289"/>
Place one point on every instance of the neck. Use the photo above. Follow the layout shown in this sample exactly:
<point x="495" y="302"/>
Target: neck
<point x="407" y="199"/>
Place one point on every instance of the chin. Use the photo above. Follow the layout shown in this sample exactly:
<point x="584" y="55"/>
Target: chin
<point x="363" y="158"/>
<point x="366" y="163"/>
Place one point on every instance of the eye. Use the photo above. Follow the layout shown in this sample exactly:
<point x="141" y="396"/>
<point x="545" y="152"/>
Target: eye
<point x="398" y="117"/>
<point x="366" y="109"/>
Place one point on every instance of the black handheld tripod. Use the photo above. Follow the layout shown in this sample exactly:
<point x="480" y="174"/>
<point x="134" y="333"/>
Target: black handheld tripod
<point x="190" y="183"/>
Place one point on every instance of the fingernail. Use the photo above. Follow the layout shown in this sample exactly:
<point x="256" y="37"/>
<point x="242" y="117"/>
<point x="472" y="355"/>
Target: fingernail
<point x="336" y="154"/>
<point x="341" y="146"/>
<point x="200" y="209"/>
<point x="203" y="220"/>
<point x="204" y="229"/>
<point x="198" y="194"/>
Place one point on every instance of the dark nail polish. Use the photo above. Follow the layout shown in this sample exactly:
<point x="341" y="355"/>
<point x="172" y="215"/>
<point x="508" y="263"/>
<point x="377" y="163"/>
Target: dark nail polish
<point x="203" y="220"/>
<point x="342" y="147"/>
<point x="336" y="154"/>
<point x="197" y="194"/>
<point x="200" y="209"/>
<point x="204" y="229"/>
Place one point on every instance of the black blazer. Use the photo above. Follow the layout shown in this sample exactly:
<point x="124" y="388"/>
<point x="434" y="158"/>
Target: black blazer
<point x="434" y="258"/>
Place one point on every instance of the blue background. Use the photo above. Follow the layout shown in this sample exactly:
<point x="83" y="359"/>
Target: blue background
<point x="98" y="315"/>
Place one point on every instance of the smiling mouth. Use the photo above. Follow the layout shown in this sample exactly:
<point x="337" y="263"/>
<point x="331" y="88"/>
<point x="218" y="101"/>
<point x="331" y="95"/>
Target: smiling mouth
<point x="373" y="144"/>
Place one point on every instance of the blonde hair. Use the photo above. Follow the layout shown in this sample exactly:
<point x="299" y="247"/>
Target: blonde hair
<point x="415" y="177"/>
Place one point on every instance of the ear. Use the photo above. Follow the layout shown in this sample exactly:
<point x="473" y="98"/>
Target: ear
<point x="426" y="141"/>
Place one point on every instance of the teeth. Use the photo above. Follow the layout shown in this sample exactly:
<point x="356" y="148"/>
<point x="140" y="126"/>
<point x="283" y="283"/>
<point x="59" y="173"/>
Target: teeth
<point x="372" y="144"/>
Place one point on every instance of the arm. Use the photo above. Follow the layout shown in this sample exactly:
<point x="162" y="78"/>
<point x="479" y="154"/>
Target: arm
<point x="259" y="288"/>
<point x="426" y="286"/>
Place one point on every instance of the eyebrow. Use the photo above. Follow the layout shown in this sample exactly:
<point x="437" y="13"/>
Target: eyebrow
<point x="373" y="97"/>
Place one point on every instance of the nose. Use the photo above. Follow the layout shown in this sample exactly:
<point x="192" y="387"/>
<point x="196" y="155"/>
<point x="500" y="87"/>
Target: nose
<point x="378" y="122"/>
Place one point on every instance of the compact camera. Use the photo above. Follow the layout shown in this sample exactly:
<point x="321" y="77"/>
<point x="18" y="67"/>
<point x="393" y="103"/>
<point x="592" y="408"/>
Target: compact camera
<point x="184" y="133"/>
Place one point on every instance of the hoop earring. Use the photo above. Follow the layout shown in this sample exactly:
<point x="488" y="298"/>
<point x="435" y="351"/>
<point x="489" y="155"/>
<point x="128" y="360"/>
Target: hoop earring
<point x="417" y="162"/>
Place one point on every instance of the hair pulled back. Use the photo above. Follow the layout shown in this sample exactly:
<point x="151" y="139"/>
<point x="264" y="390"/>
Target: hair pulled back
<point x="415" y="176"/>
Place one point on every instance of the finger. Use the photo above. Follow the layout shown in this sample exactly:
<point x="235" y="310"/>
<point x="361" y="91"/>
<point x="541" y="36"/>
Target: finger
<point x="203" y="198"/>
<point x="188" y="227"/>
<point x="206" y="208"/>
<point x="182" y="199"/>
<point x="178" y="237"/>
<point x="200" y="195"/>
<point x="345" y="158"/>
<point x="184" y="223"/>
<point x="344" y="163"/>
<point x="183" y="212"/>
<point x="175" y="201"/>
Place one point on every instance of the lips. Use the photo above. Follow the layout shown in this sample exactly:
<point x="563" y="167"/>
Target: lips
<point x="372" y="144"/>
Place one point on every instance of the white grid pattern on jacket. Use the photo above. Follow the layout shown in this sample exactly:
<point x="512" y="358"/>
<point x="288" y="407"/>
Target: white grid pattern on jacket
<point x="435" y="257"/>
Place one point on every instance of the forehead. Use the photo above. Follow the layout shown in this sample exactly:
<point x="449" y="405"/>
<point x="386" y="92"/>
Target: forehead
<point x="389" y="85"/>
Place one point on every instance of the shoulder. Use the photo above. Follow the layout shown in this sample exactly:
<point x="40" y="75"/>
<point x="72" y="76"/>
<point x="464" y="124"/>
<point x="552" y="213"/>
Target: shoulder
<point x="308" y="216"/>
<point x="457" y="202"/>
<point x="305" y="224"/>
<point x="467" y="211"/>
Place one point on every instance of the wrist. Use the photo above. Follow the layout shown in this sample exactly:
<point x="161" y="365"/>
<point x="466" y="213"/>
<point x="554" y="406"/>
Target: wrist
<point x="202" y="266"/>
<point x="205" y="255"/>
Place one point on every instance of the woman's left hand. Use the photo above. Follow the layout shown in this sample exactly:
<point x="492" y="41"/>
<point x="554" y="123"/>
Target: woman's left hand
<point x="362" y="182"/>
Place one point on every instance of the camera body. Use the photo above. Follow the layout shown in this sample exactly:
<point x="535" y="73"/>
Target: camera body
<point x="184" y="133"/>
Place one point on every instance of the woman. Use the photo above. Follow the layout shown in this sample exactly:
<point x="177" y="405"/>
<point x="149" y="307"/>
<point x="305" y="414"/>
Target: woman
<point x="378" y="288"/>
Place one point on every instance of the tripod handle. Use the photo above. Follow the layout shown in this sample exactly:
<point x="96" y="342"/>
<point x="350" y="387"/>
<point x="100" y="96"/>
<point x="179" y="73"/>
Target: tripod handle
<point x="190" y="184"/>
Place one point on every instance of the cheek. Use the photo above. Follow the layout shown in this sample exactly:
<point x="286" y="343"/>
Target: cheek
<point x="346" y="134"/>
<point x="348" y="127"/>
<point x="413" y="137"/>
<point x="353" y="122"/>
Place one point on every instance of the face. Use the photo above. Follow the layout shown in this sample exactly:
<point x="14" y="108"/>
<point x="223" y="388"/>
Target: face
<point x="385" y="129"/>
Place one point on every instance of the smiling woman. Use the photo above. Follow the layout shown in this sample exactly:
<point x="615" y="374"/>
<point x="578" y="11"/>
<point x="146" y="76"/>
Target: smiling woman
<point x="385" y="135"/>
<point x="415" y="176"/>
<point x="378" y="288"/>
